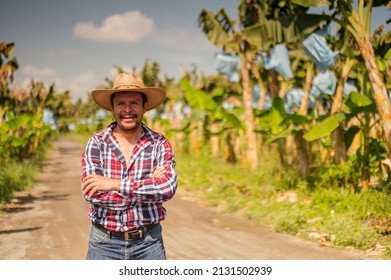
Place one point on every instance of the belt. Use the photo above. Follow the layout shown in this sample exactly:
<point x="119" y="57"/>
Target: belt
<point x="126" y="235"/>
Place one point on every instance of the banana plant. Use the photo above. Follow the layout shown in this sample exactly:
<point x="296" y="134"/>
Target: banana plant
<point x="357" y="22"/>
<point x="219" y="29"/>
<point x="262" y="24"/>
<point x="344" y="67"/>
<point x="19" y="134"/>
<point x="208" y="107"/>
<point x="200" y="100"/>
<point x="277" y="125"/>
<point x="7" y="67"/>
<point x="150" y="75"/>
<point x="362" y="108"/>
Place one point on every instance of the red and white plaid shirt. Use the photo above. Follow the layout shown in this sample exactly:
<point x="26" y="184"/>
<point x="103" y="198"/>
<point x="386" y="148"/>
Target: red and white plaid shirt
<point x="140" y="199"/>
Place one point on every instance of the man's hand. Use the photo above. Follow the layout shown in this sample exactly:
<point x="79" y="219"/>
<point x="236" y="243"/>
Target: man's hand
<point x="93" y="183"/>
<point x="159" y="172"/>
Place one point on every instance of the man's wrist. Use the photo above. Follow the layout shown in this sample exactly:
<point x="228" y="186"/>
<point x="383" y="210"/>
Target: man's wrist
<point x="117" y="185"/>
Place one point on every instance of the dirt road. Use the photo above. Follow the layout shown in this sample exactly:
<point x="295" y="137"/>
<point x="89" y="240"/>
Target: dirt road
<point x="49" y="222"/>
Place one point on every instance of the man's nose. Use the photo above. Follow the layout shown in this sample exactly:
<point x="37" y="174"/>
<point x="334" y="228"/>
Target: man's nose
<point x="127" y="108"/>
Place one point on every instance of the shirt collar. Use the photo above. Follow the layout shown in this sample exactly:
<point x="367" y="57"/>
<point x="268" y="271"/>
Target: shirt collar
<point x="148" y="134"/>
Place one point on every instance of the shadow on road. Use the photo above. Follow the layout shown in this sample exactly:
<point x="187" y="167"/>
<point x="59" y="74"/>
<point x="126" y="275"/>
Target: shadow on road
<point x="19" y="203"/>
<point x="19" y="230"/>
<point x="47" y="195"/>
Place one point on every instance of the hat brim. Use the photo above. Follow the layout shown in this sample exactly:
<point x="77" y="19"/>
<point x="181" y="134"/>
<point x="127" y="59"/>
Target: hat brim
<point x="155" y="96"/>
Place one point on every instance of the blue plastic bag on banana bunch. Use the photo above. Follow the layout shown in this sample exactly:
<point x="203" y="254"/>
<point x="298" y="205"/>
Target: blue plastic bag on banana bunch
<point x="267" y="103"/>
<point x="349" y="87"/>
<point x="293" y="99"/>
<point x="278" y="59"/>
<point x="323" y="83"/>
<point x="315" y="45"/>
<point x="229" y="65"/>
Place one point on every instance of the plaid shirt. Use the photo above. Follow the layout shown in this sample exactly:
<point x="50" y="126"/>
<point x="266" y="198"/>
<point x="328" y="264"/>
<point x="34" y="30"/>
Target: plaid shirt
<point x="140" y="199"/>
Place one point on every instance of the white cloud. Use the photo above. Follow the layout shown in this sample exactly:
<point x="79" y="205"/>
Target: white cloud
<point x="130" y="27"/>
<point x="36" y="73"/>
<point x="183" y="39"/>
<point x="25" y="83"/>
<point x="64" y="51"/>
<point x="81" y="85"/>
<point x="113" y="73"/>
<point x="50" y="54"/>
<point x="68" y="51"/>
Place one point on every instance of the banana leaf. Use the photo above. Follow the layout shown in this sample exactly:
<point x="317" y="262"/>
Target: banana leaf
<point x="324" y="128"/>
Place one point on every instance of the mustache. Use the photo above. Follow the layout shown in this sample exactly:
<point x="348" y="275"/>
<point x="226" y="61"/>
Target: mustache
<point x="129" y="115"/>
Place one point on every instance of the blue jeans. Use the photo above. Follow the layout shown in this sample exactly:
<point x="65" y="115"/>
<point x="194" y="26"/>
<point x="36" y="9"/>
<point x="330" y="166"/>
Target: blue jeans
<point x="102" y="247"/>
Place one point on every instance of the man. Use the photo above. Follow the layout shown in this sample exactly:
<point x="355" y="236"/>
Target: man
<point x="127" y="174"/>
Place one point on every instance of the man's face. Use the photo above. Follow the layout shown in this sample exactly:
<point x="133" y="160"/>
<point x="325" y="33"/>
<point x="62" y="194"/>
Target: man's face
<point x="128" y="110"/>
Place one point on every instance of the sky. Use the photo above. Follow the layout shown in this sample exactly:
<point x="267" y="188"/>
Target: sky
<point x="77" y="43"/>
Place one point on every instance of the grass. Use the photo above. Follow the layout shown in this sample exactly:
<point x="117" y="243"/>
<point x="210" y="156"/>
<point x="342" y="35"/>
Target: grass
<point x="338" y="217"/>
<point x="16" y="176"/>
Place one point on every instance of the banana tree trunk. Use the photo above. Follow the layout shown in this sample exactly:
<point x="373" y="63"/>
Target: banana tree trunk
<point x="339" y="147"/>
<point x="231" y="154"/>
<point x="275" y="85"/>
<point x="302" y="159"/>
<point x="379" y="90"/>
<point x="306" y="89"/>
<point x="336" y="107"/>
<point x="251" y="140"/>
<point x="262" y="87"/>
<point x="196" y="138"/>
<point x="3" y="110"/>
<point x="215" y="140"/>
<point x="365" y="173"/>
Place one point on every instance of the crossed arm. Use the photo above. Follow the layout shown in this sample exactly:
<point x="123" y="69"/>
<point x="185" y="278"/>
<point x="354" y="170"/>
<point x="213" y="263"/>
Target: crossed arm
<point x="93" y="183"/>
<point x="116" y="193"/>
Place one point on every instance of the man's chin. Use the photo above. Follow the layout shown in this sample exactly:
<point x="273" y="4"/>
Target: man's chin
<point x="129" y="127"/>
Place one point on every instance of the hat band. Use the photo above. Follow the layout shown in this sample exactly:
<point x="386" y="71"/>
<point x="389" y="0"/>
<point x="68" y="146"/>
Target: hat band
<point x="127" y="87"/>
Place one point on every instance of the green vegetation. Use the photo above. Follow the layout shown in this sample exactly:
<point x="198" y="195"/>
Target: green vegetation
<point x="16" y="176"/>
<point x="24" y="135"/>
<point x="321" y="172"/>
<point x="328" y="214"/>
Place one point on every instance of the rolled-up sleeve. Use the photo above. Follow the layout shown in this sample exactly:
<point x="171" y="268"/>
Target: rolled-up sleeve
<point x="157" y="189"/>
<point x="92" y="163"/>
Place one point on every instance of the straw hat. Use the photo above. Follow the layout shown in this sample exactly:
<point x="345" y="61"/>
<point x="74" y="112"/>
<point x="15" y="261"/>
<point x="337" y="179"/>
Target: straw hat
<point x="129" y="83"/>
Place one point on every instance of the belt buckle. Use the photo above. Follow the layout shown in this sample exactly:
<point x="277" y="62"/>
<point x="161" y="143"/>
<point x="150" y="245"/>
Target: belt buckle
<point x="129" y="235"/>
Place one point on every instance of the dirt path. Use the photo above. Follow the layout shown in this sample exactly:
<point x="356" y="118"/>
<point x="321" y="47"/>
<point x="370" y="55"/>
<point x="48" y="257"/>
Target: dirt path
<point x="50" y="222"/>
